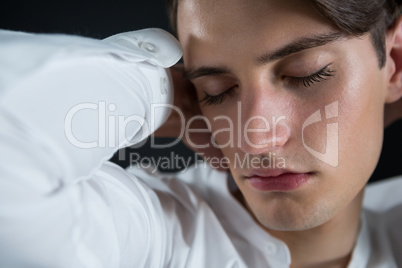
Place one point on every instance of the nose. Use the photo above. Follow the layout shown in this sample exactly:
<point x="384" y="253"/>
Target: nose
<point x="264" y="125"/>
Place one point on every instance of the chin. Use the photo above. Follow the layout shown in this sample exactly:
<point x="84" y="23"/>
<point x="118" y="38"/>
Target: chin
<point x="290" y="226"/>
<point x="293" y="219"/>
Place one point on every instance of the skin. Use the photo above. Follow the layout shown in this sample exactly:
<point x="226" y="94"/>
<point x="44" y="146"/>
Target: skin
<point x="231" y="35"/>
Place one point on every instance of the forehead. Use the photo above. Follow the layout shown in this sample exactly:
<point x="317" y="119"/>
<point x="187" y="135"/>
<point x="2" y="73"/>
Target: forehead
<point x="232" y="26"/>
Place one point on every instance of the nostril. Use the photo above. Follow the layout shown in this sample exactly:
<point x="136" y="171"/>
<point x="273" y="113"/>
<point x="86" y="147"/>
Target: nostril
<point x="281" y="134"/>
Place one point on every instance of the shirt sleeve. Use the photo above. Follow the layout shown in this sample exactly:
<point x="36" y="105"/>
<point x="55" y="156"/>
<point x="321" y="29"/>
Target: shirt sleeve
<point x="67" y="104"/>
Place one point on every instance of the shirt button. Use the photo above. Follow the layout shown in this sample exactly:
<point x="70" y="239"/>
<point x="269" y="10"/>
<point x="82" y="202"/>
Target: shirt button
<point x="149" y="47"/>
<point x="271" y="248"/>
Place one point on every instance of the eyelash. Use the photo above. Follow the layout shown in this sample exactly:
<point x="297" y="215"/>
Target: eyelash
<point x="218" y="99"/>
<point x="306" y="81"/>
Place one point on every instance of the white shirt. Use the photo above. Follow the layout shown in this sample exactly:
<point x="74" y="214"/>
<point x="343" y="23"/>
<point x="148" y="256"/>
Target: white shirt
<point x="66" y="206"/>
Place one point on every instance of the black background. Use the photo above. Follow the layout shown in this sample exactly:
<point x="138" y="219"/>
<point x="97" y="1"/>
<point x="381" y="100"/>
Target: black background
<point x="99" y="19"/>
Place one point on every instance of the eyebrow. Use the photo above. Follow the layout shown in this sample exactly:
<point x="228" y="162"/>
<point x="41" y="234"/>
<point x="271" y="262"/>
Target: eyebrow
<point x="300" y="45"/>
<point x="294" y="47"/>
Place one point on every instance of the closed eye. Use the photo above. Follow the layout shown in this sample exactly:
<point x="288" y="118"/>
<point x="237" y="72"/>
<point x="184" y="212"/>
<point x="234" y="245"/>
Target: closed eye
<point x="308" y="81"/>
<point x="217" y="99"/>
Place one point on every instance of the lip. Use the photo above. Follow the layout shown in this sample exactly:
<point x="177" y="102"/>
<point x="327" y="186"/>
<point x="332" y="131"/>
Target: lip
<point x="277" y="180"/>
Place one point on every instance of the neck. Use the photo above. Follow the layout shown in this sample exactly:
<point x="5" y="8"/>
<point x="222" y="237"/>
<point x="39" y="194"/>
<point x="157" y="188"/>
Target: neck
<point x="328" y="245"/>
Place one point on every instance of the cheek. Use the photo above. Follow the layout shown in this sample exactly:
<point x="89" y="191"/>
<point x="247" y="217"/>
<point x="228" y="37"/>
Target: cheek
<point x="361" y="110"/>
<point x="225" y="131"/>
<point x="223" y="125"/>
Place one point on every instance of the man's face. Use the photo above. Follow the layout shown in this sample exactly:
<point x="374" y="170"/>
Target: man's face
<point x="230" y="52"/>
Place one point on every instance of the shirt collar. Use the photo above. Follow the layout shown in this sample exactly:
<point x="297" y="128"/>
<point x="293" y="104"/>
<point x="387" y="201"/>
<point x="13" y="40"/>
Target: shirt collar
<point x="240" y="220"/>
<point x="362" y="251"/>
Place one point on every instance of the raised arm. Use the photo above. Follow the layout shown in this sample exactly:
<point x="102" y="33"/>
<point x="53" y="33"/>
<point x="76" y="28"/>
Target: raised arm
<point x="66" y="105"/>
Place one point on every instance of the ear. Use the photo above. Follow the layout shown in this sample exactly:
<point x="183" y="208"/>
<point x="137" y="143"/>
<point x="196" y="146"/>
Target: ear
<point x="394" y="61"/>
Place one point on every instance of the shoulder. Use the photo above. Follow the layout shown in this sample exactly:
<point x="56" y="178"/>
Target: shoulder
<point x="159" y="211"/>
<point x="383" y="195"/>
<point x="383" y="202"/>
<point x="383" y="212"/>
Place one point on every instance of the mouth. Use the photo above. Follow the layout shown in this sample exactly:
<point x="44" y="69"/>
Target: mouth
<point x="277" y="180"/>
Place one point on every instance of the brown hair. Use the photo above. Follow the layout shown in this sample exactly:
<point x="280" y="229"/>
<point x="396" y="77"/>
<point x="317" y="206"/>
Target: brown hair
<point x="353" y="17"/>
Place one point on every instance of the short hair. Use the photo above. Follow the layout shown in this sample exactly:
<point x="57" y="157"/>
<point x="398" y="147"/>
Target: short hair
<point x="352" y="17"/>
